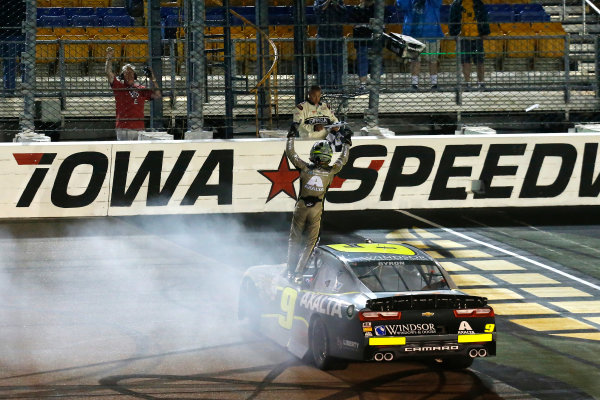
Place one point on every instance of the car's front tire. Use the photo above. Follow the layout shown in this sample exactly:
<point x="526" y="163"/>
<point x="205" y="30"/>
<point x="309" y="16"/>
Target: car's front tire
<point x="319" y="345"/>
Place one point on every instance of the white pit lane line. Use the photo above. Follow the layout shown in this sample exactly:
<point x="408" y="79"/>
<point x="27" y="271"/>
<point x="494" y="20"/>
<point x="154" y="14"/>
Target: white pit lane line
<point x="491" y="246"/>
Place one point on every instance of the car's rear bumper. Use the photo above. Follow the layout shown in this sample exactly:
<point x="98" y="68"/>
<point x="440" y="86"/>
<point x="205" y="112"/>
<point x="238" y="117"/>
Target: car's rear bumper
<point x="476" y="345"/>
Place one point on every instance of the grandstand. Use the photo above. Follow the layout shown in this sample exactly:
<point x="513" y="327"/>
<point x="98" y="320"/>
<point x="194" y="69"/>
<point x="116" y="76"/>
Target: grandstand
<point x="542" y="53"/>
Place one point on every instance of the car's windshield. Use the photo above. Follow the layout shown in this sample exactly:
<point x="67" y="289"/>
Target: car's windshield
<point x="400" y="276"/>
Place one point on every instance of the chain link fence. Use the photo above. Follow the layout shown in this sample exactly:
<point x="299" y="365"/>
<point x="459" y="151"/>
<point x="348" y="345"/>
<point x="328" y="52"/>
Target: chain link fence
<point x="234" y="67"/>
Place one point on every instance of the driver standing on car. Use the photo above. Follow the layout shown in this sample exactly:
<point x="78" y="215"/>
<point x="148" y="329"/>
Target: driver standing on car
<point x="315" y="178"/>
<point x="312" y="115"/>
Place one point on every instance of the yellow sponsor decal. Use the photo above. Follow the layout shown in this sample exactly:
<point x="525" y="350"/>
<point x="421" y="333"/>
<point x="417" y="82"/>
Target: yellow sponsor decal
<point x="373" y="248"/>
<point x="387" y="341"/>
<point x="367" y="329"/>
<point x="484" y="337"/>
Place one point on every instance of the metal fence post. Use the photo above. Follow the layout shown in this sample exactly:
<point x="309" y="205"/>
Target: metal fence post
<point x="196" y="63"/>
<point x="458" y="73"/>
<point x="567" y="96"/>
<point x="155" y="58"/>
<point x="28" y="60"/>
<point x="62" y="71"/>
<point x="262" y="49"/>
<point x="597" y="69"/>
<point x="299" y="66"/>
<point x="376" y="61"/>
<point x="229" y="92"/>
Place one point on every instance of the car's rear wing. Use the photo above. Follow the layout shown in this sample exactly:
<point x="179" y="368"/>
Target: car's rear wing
<point x="426" y="302"/>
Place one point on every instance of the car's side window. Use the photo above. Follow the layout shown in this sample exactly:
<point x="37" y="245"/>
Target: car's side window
<point x="332" y="276"/>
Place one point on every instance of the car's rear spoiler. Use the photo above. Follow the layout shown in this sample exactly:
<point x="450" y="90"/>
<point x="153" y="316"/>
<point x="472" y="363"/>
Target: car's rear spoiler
<point x="426" y="302"/>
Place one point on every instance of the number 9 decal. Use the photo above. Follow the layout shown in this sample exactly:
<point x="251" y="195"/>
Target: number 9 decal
<point x="489" y="328"/>
<point x="288" y="304"/>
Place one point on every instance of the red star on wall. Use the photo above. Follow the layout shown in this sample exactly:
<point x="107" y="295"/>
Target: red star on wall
<point x="282" y="179"/>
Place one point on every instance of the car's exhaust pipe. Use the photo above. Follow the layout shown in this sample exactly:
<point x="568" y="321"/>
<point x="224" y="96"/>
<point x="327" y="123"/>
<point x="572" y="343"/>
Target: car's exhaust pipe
<point x="473" y="353"/>
<point x="388" y="356"/>
<point x="482" y="353"/>
<point x="378" y="357"/>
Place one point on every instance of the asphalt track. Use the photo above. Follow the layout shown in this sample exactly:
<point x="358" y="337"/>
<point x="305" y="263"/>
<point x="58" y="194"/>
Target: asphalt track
<point x="145" y="307"/>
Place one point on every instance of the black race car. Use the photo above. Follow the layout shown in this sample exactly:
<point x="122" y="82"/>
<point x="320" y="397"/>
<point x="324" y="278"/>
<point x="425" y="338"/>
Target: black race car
<point x="369" y="302"/>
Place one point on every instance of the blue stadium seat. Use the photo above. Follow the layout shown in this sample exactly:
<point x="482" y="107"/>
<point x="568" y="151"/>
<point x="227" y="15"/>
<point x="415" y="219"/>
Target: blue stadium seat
<point x="166" y="11"/>
<point x="70" y="12"/>
<point x="117" y="20"/>
<point x="102" y="12"/>
<point x="215" y="16"/>
<point x="246" y="12"/>
<point x="527" y="7"/>
<point x="85" y="20"/>
<point x="170" y="25"/>
<point x="533" y="16"/>
<point x="280" y="15"/>
<point x="501" y="16"/>
<point x="52" y="20"/>
<point x="52" y="11"/>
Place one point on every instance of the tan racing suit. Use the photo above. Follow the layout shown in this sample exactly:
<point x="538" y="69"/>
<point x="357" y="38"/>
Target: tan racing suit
<point x="314" y="182"/>
<point x="308" y="115"/>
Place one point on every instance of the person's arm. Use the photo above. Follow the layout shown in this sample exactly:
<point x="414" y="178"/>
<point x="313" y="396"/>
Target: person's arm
<point x="156" y="91"/>
<point x="110" y="75"/>
<point x="291" y="152"/>
<point x="342" y="159"/>
<point x="303" y="130"/>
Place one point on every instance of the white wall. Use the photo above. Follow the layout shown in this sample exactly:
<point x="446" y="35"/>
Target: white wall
<point x="96" y="179"/>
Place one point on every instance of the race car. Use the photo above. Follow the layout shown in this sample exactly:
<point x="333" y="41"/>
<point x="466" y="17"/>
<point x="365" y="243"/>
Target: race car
<point x="369" y="302"/>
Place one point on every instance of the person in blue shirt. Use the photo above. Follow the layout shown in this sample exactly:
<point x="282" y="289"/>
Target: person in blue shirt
<point x="422" y="22"/>
<point x="331" y="15"/>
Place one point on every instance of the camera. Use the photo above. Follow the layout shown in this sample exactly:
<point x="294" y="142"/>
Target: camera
<point x="147" y="71"/>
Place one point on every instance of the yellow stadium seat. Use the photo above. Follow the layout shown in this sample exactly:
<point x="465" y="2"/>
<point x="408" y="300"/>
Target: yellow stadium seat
<point x="65" y="3"/>
<point x="494" y="48"/>
<point x="95" y="3"/>
<point x="549" y="47"/>
<point x="71" y="30"/>
<point x="46" y="53"/>
<point x="519" y="48"/>
<point x="133" y="30"/>
<point x="93" y="31"/>
<point x="76" y="52"/>
<point x="99" y="50"/>
<point x="213" y="43"/>
<point x="136" y="52"/>
<point x="45" y="31"/>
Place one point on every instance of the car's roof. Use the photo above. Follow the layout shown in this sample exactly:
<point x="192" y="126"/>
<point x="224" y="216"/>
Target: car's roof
<point x="365" y="252"/>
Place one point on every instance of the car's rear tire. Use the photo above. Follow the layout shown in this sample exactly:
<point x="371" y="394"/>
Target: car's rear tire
<point x="320" y="346"/>
<point x="248" y="307"/>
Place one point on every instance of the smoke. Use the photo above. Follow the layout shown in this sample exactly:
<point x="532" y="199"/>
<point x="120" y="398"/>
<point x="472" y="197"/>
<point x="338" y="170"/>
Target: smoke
<point x="98" y="293"/>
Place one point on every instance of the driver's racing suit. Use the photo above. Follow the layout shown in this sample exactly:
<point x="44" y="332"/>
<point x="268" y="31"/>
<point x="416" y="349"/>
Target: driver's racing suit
<point x="308" y="115"/>
<point x="314" y="182"/>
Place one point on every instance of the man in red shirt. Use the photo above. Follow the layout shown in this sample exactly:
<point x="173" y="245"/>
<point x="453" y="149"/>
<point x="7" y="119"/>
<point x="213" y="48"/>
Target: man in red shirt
<point x="130" y="98"/>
